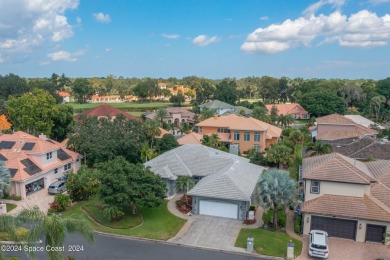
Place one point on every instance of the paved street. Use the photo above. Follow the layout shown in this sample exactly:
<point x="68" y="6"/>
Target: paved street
<point x="116" y="248"/>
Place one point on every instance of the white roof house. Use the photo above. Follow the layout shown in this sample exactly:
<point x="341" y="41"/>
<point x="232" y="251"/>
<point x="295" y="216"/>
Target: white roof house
<point x="360" y="120"/>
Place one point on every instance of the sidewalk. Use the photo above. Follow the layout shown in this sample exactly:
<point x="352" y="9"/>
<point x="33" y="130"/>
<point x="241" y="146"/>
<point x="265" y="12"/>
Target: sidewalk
<point x="290" y="225"/>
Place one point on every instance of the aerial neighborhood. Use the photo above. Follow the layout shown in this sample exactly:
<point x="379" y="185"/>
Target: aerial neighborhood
<point x="196" y="162"/>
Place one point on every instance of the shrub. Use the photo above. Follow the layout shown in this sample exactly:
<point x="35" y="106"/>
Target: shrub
<point x="21" y="233"/>
<point x="252" y="208"/>
<point x="60" y="203"/>
<point x="113" y="212"/>
<point x="298" y="225"/>
<point x="83" y="185"/>
<point x="12" y="197"/>
<point x="267" y="217"/>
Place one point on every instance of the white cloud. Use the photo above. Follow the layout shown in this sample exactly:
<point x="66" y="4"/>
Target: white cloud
<point x="65" y="56"/>
<point x="204" y="40"/>
<point x="78" y="20"/>
<point x="312" y="9"/>
<point x="362" y="29"/>
<point x="102" y="18"/>
<point x="170" y="36"/>
<point x="26" y="25"/>
<point x="107" y="49"/>
<point x="264" y="18"/>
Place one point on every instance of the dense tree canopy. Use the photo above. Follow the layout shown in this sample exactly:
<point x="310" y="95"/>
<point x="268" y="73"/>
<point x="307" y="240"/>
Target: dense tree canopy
<point x="227" y="91"/>
<point x="323" y="103"/>
<point x="82" y="90"/>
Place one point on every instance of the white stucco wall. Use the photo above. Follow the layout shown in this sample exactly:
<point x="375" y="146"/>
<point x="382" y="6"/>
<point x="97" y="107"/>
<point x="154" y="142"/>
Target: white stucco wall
<point x="336" y="188"/>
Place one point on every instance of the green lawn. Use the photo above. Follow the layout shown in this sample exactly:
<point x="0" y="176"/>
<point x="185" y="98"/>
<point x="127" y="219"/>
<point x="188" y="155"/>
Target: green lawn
<point x="302" y="121"/>
<point x="128" y="221"/>
<point x="268" y="216"/>
<point x="10" y="206"/>
<point x="268" y="242"/>
<point x="159" y="223"/>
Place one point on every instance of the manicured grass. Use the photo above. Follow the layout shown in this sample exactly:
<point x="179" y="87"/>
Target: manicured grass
<point x="159" y="223"/>
<point x="268" y="242"/>
<point x="122" y="105"/>
<point x="268" y="216"/>
<point x="127" y="221"/>
<point x="302" y="121"/>
<point x="10" y="206"/>
<point x="136" y="113"/>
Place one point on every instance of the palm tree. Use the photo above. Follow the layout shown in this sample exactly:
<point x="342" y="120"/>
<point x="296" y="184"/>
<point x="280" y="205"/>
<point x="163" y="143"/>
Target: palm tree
<point x="289" y="120"/>
<point x="207" y="113"/>
<point x="260" y="113"/>
<point x="147" y="153"/>
<point x="161" y="114"/>
<point x="280" y="154"/>
<point x="152" y="130"/>
<point x="212" y="140"/>
<point x="275" y="191"/>
<point x="377" y="103"/>
<point x="184" y="184"/>
<point x="296" y="138"/>
<point x="52" y="228"/>
<point x="318" y="148"/>
<point x="5" y="179"/>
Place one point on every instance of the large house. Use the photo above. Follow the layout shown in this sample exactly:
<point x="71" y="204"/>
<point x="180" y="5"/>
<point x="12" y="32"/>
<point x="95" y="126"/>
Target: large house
<point x="294" y="109"/>
<point x="112" y="98"/>
<point x="222" y="108"/>
<point x="226" y="183"/>
<point x="175" y="115"/>
<point x="35" y="162"/>
<point x="248" y="133"/>
<point x="339" y="129"/>
<point x="106" y="111"/>
<point x="347" y="198"/>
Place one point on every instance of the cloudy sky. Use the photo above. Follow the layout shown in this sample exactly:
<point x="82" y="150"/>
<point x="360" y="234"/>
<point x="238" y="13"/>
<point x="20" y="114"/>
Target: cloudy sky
<point x="216" y="39"/>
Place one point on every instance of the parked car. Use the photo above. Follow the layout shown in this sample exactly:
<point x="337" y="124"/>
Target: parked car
<point x="318" y="244"/>
<point x="57" y="187"/>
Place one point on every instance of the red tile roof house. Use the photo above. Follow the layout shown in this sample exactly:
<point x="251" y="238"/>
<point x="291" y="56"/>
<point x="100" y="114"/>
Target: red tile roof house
<point x="337" y="129"/>
<point x="106" y="111"/>
<point x="65" y="96"/>
<point x="347" y="198"/>
<point x="35" y="162"/>
<point x="294" y="109"/>
<point x="175" y="115"/>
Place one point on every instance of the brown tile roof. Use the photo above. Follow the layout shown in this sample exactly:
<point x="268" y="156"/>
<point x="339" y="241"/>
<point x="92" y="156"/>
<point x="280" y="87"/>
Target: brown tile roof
<point x="106" y="110"/>
<point x="336" y="167"/>
<point x="174" y="110"/>
<point x="235" y="122"/>
<point x="286" y="109"/>
<point x="16" y="154"/>
<point x="191" y="138"/>
<point x="335" y="119"/>
<point x="364" y="148"/>
<point x="381" y="193"/>
<point x="63" y="94"/>
<point x="379" y="168"/>
<point x="347" y="207"/>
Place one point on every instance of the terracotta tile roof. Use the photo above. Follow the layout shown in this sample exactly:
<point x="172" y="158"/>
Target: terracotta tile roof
<point x="385" y="180"/>
<point x="335" y="119"/>
<point x="191" y="138"/>
<point x="36" y="145"/>
<point x="286" y="109"/>
<point x="63" y="94"/>
<point x="106" y="110"/>
<point x="163" y="132"/>
<point x="224" y="137"/>
<point x="234" y="122"/>
<point x="379" y="168"/>
<point x="336" y="167"/>
<point x="381" y="193"/>
<point x="347" y="207"/>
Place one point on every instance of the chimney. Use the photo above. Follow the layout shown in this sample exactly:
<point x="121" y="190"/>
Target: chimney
<point x="42" y="136"/>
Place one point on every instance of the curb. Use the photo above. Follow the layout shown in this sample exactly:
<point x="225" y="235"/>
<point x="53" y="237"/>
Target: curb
<point x="18" y="243"/>
<point x="189" y="246"/>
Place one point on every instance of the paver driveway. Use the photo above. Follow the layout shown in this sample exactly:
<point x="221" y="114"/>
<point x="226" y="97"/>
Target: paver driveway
<point x="211" y="232"/>
<point x="40" y="198"/>
<point x="344" y="249"/>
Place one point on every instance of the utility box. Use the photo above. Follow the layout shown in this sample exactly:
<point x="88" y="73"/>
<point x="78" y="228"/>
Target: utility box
<point x="233" y="149"/>
<point x="3" y="208"/>
<point x="251" y="215"/>
<point x="249" y="244"/>
<point x="290" y="250"/>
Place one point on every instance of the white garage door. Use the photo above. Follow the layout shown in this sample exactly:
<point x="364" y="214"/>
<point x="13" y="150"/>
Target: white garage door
<point x="219" y="209"/>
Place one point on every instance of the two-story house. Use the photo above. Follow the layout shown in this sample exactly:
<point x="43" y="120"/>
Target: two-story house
<point x="222" y="108"/>
<point x="35" y="162"/>
<point x="248" y="133"/>
<point x="294" y="109"/>
<point x="346" y="198"/>
<point x="176" y="116"/>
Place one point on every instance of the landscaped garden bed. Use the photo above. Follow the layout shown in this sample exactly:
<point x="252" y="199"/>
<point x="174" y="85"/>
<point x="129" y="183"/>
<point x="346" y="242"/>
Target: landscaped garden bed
<point x="10" y="206"/>
<point x="184" y="204"/>
<point x="268" y="218"/>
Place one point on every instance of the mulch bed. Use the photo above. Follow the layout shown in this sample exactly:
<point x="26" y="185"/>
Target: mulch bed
<point x="184" y="204"/>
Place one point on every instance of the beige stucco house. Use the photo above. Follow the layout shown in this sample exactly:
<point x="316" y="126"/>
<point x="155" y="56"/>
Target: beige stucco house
<point x="35" y="162"/>
<point x="346" y="197"/>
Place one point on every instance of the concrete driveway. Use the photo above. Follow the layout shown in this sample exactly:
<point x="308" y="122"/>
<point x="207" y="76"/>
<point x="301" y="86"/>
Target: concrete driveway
<point x="345" y="249"/>
<point x="211" y="232"/>
<point x="40" y="198"/>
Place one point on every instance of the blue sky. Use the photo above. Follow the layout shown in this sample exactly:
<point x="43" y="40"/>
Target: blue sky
<point x="208" y="38"/>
